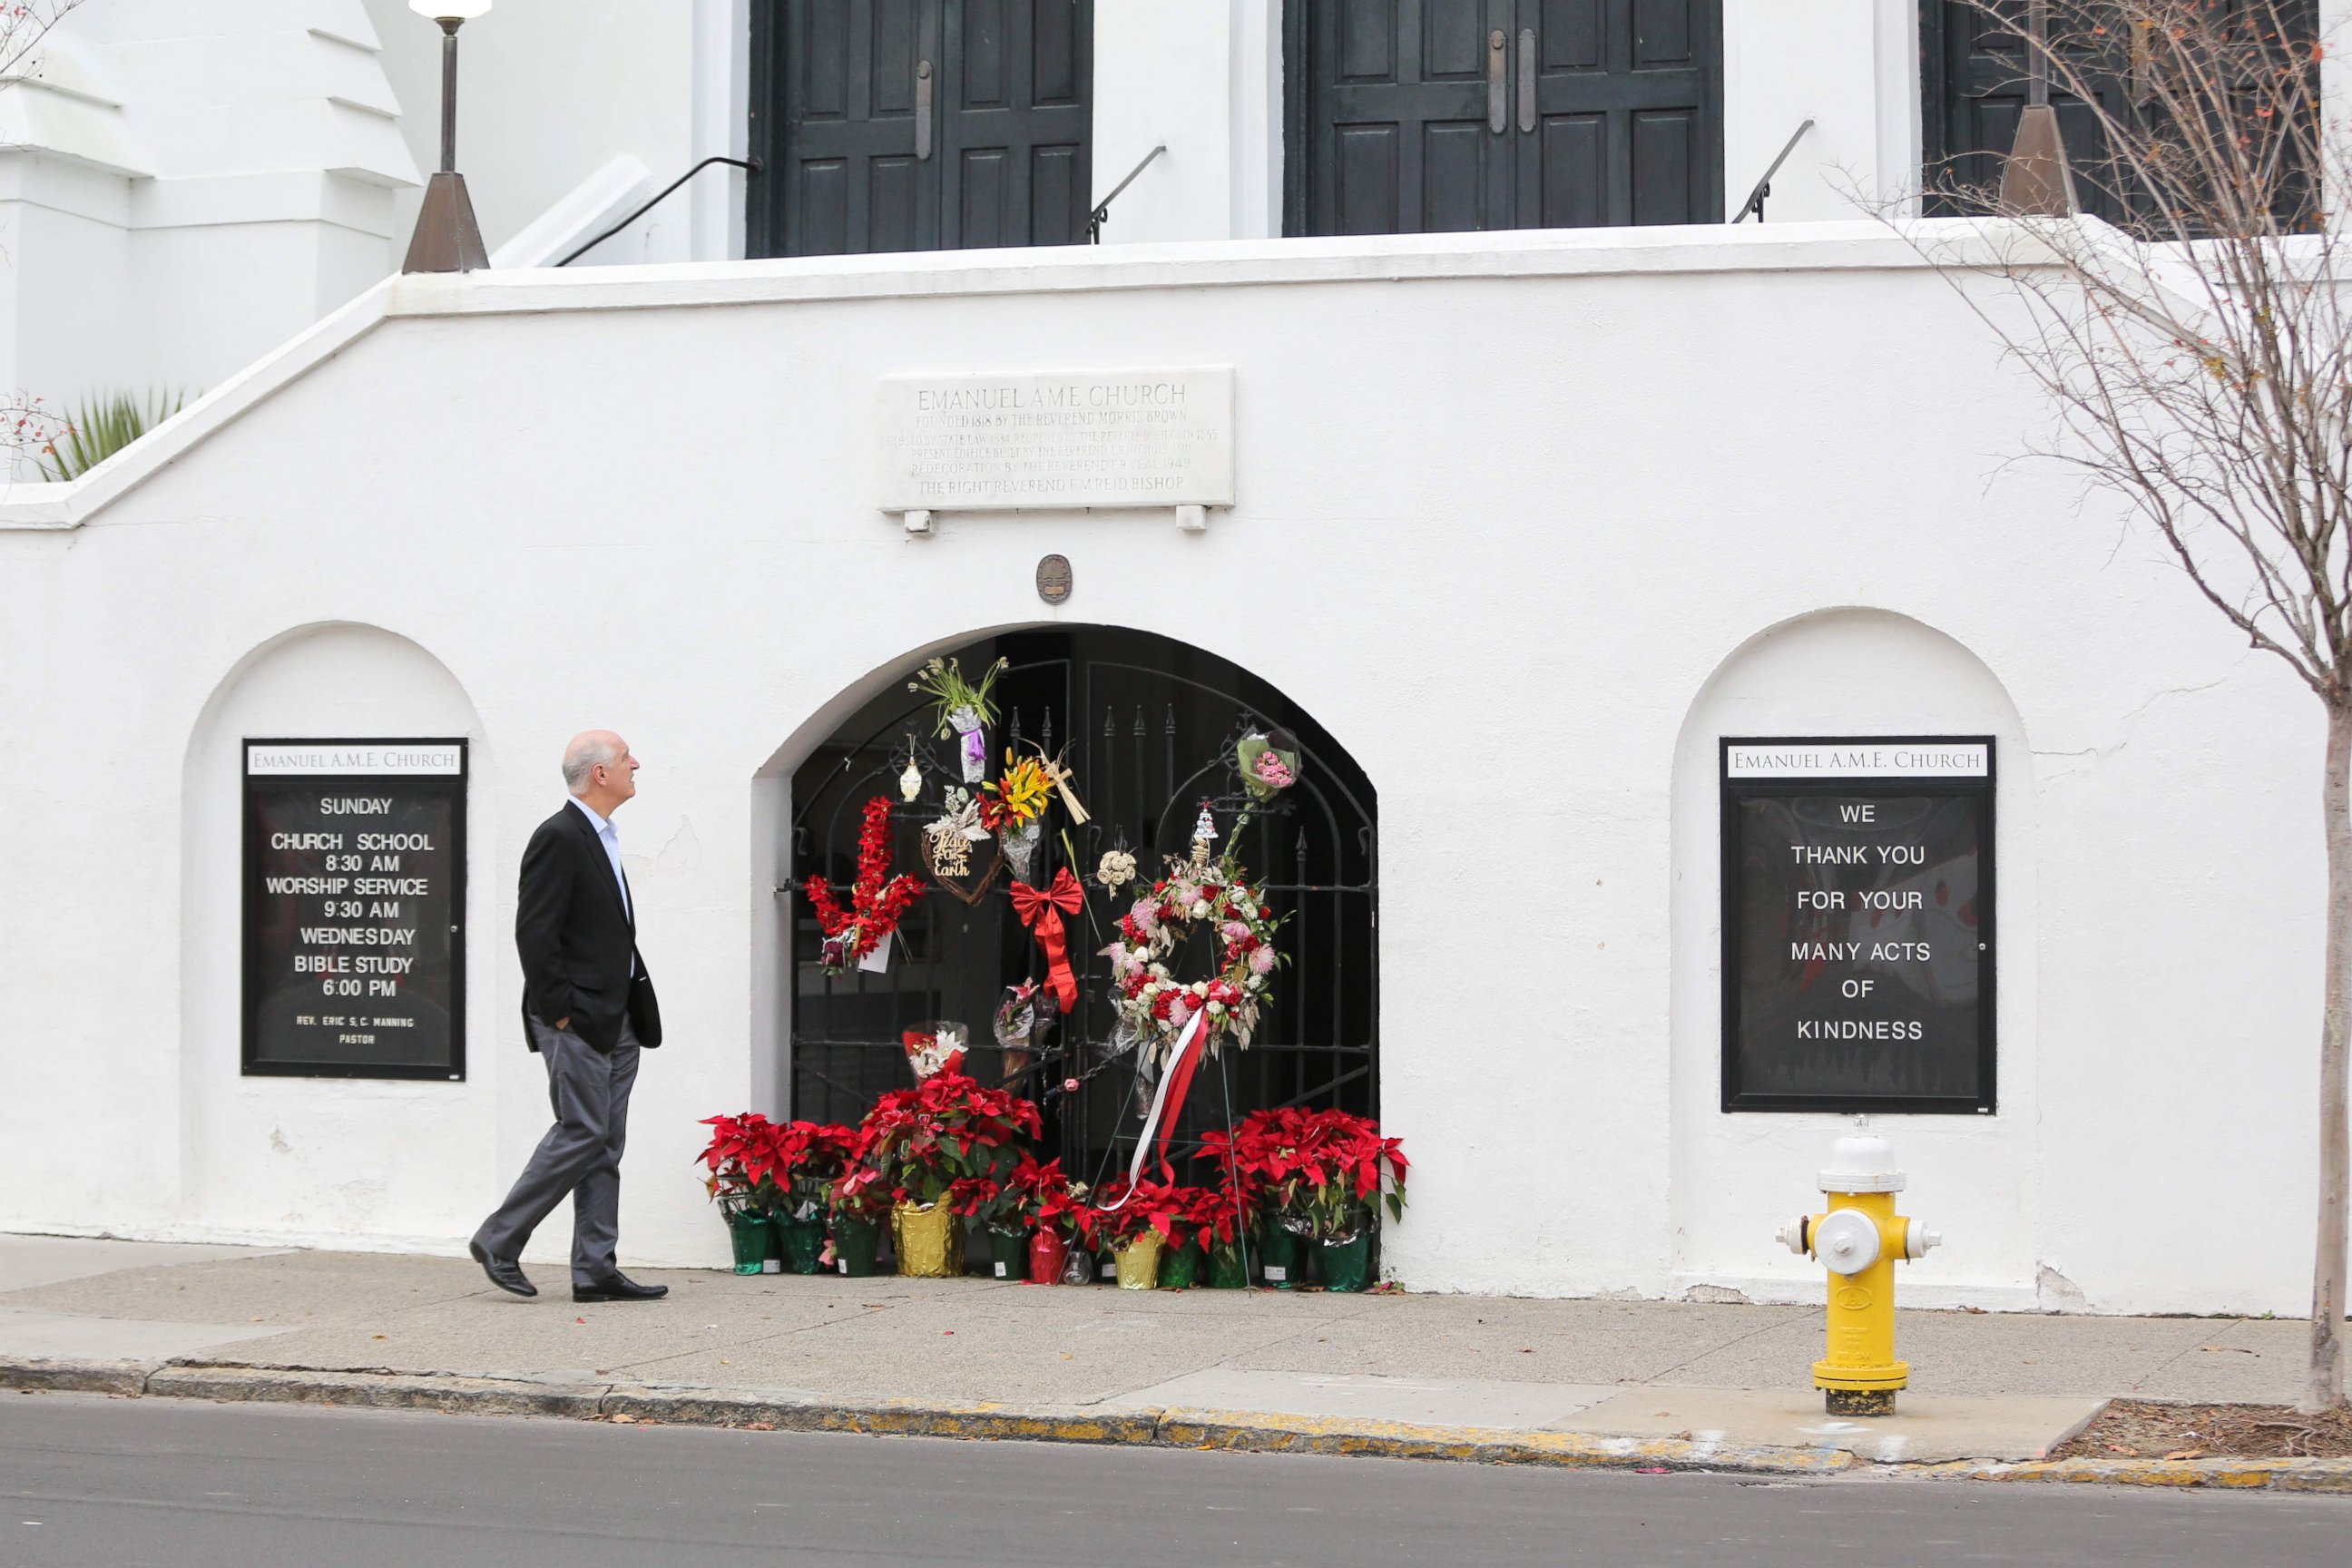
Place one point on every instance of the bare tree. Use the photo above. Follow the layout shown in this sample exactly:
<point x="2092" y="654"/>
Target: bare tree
<point x="2195" y="345"/>
<point x="22" y="23"/>
<point x="26" y="427"/>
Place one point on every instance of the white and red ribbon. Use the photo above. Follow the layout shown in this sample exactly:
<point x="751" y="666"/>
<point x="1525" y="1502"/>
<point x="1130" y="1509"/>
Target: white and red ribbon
<point x="1166" y="1105"/>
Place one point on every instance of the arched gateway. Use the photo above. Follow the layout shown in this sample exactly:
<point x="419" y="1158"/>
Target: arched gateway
<point x="1147" y="727"/>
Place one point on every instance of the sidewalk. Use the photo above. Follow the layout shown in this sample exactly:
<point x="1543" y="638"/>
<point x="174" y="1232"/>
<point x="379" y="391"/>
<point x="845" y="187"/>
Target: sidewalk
<point x="1582" y="1381"/>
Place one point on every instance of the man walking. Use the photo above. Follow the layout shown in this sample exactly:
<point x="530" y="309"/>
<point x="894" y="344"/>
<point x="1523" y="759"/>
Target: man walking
<point x="587" y="1009"/>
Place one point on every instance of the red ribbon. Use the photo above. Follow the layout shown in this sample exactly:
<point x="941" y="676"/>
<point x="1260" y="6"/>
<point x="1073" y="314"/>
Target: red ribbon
<point x="1041" y="910"/>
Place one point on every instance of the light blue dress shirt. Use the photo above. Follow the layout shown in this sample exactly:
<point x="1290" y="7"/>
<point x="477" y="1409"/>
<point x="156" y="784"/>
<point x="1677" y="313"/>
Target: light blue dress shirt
<point x="612" y="842"/>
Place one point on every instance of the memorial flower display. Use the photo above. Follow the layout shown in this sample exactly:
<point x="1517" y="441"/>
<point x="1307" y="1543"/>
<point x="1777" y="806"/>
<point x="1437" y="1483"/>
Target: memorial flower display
<point x="1317" y="1173"/>
<point x="1012" y="807"/>
<point x="961" y="708"/>
<point x="947" y="1143"/>
<point x="1153" y="1007"/>
<point x="1268" y="762"/>
<point x="950" y="1129"/>
<point x="775" y="1176"/>
<point x="877" y="901"/>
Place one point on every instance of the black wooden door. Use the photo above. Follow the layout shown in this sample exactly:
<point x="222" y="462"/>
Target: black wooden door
<point x="920" y="124"/>
<point x="1421" y="116"/>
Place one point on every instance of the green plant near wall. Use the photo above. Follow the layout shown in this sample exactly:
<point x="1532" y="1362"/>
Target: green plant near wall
<point x="102" y="427"/>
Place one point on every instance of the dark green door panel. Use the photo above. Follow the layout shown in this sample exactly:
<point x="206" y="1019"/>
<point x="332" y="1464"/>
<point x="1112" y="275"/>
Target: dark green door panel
<point x="920" y="124"/>
<point x="1421" y="116"/>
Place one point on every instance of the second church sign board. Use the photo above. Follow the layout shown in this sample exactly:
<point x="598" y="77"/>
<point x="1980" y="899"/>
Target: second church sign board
<point x="1857" y="924"/>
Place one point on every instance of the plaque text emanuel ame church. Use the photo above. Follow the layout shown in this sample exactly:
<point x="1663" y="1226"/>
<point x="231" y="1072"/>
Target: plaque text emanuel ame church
<point x="1057" y="439"/>
<point x="1857" y="924"/>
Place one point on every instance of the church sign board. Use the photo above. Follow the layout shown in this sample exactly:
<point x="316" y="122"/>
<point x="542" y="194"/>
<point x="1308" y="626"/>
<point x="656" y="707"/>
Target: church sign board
<point x="354" y="893"/>
<point x="1858" y="924"/>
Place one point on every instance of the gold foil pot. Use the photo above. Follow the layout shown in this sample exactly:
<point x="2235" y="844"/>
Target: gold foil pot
<point x="1138" y="1262"/>
<point x="928" y="1241"/>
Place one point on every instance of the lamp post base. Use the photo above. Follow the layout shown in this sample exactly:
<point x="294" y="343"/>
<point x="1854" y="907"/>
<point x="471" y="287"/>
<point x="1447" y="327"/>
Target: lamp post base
<point x="447" y="239"/>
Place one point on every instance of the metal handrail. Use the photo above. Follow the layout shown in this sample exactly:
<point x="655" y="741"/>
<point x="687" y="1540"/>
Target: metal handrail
<point x="750" y="166"/>
<point x="1755" y="203"/>
<point x="1101" y="214"/>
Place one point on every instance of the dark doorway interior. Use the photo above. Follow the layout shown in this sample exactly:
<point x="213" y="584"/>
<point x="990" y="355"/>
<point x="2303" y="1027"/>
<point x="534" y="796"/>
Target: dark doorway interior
<point x="1147" y="726"/>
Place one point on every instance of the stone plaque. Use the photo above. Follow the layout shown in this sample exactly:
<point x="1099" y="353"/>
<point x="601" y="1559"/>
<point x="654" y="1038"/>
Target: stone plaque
<point x="1858" y="924"/>
<point x="354" y="893"/>
<point x="1057" y="439"/>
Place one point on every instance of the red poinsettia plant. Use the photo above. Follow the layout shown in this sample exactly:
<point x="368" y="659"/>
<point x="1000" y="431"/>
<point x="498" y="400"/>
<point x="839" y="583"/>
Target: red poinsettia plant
<point x="1319" y="1173"/>
<point x="779" y="1167"/>
<point x="1207" y="1217"/>
<point x="738" y="1143"/>
<point x="926" y="1140"/>
<point x="877" y="901"/>
<point x="1123" y="1213"/>
<point x="1045" y="1198"/>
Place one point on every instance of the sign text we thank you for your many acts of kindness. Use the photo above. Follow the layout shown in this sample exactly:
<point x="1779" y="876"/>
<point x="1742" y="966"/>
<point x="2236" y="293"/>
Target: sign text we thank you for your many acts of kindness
<point x="1057" y="439"/>
<point x="1857" y="924"/>
<point x="354" y="892"/>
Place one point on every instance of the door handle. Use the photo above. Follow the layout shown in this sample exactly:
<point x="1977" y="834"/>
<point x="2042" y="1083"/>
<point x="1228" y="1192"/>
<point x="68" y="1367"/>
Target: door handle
<point x="1527" y="79"/>
<point x="923" y="109"/>
<point x="1498" y="108"/>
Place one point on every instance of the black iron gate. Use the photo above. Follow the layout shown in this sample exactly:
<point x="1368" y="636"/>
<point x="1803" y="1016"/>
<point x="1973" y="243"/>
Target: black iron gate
<point x="1147" y="727"/>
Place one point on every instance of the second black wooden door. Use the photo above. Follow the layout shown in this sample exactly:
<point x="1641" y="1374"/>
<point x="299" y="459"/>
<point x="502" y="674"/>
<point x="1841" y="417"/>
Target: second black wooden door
<point x="1418" y="116"/>
<point x="920" y="125"/>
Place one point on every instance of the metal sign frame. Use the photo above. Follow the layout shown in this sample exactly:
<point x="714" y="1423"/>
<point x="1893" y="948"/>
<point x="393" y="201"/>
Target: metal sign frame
<point x="1733" y="792"/>
<point x="249" y="861"/>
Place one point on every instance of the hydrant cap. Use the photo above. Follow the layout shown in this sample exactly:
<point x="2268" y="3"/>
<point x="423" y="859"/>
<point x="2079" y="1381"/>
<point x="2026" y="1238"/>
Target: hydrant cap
<point x="1862" y="1162"/>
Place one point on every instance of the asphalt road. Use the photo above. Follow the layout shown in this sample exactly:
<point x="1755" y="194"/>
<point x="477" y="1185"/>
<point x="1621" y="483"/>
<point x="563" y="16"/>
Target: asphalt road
<point x="99" y="1483"/>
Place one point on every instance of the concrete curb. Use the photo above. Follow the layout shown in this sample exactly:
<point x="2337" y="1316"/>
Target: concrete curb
<point x="1232" y="1430"/>
<point x="1181" y="1428"/>
<point x="2235" y="1474"/>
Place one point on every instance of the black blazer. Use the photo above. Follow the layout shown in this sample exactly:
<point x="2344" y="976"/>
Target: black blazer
<point x="578" y="942"/>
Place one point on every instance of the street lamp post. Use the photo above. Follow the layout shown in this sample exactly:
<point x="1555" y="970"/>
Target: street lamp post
<point x="447" y="239"/>
<point x="2036" y="182"/>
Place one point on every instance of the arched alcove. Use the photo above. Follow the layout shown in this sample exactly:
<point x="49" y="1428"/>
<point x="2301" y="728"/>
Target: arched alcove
<point x="1839" y="673"/>
<point x="1147" y="726"/>
<point x="301" y="1156"/>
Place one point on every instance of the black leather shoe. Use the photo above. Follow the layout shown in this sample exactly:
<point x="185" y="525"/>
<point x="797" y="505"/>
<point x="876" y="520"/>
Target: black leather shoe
<point x="619" y="1287"/>
<point x="506" y="1276"/>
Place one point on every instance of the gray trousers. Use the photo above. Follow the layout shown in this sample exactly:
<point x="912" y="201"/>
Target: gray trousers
<point x="580" y="1155"/>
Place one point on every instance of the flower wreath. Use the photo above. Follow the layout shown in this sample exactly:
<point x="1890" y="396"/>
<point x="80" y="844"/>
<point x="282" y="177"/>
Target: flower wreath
<point x="1151" y="1005"/>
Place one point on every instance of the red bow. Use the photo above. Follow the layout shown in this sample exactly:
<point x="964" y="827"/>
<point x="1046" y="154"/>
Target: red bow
<point x="1041" y="910"/>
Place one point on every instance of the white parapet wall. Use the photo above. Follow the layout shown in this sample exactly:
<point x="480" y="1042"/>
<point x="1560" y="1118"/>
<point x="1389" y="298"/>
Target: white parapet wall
<point x="1527" y="522"/>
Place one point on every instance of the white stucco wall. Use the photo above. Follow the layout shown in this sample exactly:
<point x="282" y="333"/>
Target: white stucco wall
<point x="1570" y="505"/>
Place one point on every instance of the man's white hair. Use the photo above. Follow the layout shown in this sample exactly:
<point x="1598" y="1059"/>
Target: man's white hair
<point x="585" y="752"/>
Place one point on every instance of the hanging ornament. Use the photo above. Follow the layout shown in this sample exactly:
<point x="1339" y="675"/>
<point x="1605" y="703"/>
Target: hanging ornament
<point x="910" y="782"/>
<point x="1203" y="832"/>
<point x="948" y="841"/>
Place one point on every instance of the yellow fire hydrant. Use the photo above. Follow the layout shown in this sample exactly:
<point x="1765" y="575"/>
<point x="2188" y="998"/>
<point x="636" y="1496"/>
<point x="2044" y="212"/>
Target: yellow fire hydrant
<point x="1858" y="1240"/>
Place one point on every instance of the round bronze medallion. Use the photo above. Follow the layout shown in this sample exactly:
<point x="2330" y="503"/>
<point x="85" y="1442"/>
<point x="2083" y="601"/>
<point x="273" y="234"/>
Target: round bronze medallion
<point x="1054" y="579"/>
